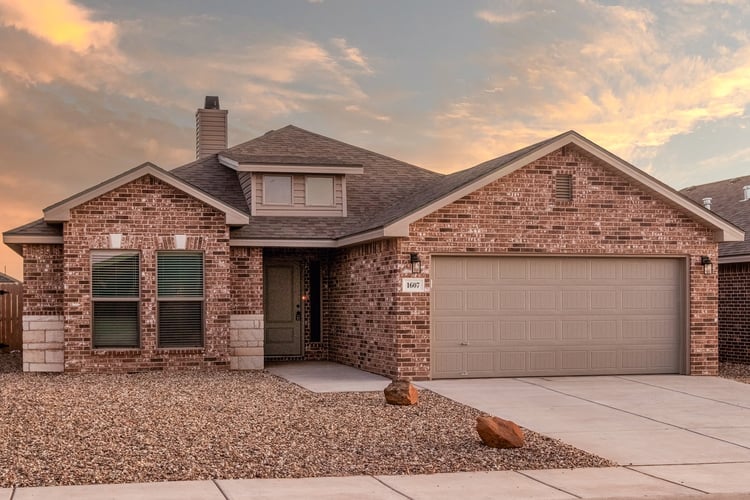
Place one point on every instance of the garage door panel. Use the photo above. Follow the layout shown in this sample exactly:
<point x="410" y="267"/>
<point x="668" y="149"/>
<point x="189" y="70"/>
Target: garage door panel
<point x="448" y="300"/>
<point x="512" y="330"/>
<point x="604" y="300"/>
<point x="542" y="300"/>
<point x="542" y="361"/>
<point x="481" y="269"/>
<point x="574" y="330"/>
<point x="511" y="362"/>
<point x="542" y="330"/>
<point x="556" y="316"/>
<point x="448" y="332"/>
<point x="450" y="363"/>
<point x="482" y="332"/>
<point x="480" y="300"/>
<point x="546" y="269"/>
<point x="574" y="269"/>
<point x="579" y="300"/>
<point x="604" y="360"/>
<point x="516" y="269"/>
<point x="512" y="300"/>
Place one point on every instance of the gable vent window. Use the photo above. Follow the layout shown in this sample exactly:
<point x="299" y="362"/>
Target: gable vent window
<point x="564" y="187"/>
<point x="180" y="294"/>
<point x="115" y="294"/>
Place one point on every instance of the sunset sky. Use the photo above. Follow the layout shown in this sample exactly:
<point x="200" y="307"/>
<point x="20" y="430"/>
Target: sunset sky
<point x="91" y="88"/>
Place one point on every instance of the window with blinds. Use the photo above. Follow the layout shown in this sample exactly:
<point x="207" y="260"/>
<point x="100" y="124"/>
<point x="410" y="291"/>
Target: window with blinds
<point x="180" y="296"/>
<point x="115" y="295"/>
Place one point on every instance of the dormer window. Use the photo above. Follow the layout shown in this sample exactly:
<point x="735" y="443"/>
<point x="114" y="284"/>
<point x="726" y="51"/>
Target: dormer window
<point x="293" y="186"/>
<point x="319" y="191"/>
<point x="277" y="189"/>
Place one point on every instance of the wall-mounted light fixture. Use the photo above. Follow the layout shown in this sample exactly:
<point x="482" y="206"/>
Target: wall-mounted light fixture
<point x="708" y="266"/>
<point x="414" y="259"/>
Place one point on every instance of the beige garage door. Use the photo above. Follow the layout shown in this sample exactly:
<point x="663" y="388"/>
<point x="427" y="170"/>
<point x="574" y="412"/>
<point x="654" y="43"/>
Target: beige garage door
<point x="540" y="316"/>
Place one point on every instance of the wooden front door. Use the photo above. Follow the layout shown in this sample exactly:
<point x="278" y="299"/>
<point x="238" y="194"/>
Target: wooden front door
<point x="282" y="304"/>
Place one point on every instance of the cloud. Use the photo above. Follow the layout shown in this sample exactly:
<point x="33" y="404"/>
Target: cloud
<point x="509" y="18"/>
<point x="624" y="81"/>
<point x="353" y="108"/>
<point x="352" y="54"/>
<point x="59" y="22"/>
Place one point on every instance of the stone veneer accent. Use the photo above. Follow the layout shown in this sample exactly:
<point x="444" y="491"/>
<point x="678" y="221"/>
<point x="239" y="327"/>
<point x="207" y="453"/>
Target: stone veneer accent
<point x="43" y="338"/>
<point x="734" y="312"/>
<point x="246" y="342"/>
<point x="377" y="327"/>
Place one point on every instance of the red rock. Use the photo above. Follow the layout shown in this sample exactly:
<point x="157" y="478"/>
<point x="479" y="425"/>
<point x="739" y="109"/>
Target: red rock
<point x="401" y="392"/>
<point x="499" y="433"/>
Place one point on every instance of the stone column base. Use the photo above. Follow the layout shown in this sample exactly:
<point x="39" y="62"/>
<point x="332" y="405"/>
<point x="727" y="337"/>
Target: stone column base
<point x="43" y="344"/>
<point x="246" y="342"/>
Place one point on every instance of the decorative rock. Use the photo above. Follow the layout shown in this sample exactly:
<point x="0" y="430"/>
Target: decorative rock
<point x="401" y="392"/>
<point x="499" y="433"/>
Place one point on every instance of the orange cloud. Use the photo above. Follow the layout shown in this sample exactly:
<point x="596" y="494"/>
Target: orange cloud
<point x="59" y="22"/>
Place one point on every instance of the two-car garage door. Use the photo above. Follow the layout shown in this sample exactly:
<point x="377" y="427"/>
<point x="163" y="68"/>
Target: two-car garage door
<point x="541" y="316"/>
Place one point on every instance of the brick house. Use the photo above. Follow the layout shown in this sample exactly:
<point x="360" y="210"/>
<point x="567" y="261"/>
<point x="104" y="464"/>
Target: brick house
<point x="729" y="199"/>
<point x="559" y="258"/>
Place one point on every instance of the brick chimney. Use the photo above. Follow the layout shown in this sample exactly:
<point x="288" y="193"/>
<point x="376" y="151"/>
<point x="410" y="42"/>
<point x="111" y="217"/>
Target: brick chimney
<point x="210" y="128"/>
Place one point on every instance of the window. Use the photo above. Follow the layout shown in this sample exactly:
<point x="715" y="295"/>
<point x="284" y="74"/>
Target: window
<point x="319" y="191"/>
<point x="277" y="189"/>
<point x="115" y="293"/>
<point x="564" y="187"/>
<point x="180" y="294"/>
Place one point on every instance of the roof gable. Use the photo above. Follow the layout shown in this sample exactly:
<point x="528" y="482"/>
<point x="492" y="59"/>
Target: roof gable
<point x="455" y="186"/>
<point x="60" y="212"/>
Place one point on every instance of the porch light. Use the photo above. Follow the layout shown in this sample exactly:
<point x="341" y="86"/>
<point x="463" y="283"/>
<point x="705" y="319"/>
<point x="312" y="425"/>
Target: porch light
<point x="708" y="266"/>
<point x="414" y="259"/>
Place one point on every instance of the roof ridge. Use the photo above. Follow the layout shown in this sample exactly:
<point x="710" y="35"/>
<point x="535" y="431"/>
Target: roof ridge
<point x="381" y="155"/>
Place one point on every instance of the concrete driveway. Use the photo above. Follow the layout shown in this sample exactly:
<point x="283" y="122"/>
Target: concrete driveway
<point x="633" y="420"/>
<point x="673" y="435"/>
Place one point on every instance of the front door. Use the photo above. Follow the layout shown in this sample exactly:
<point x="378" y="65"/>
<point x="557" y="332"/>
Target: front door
<point x="283" y="316"/>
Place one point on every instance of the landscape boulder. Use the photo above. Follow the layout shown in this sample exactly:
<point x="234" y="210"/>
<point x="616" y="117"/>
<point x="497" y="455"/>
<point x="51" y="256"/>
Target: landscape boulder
<point x="499" y="433"/>
<point x="401" y="392"/>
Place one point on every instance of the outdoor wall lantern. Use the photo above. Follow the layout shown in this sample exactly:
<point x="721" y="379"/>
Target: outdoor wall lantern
<point x="414" y="259"/>
<point x="708" y="267"/>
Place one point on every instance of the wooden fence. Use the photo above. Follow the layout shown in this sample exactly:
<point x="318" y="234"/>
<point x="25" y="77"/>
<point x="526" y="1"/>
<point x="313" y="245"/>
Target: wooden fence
<point x="11" y="310"/>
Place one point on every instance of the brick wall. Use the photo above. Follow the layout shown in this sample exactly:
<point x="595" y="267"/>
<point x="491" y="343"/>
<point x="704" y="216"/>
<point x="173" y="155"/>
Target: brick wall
<point x="518" y="214"/>
<point x="734" y="312"/>
<point x="361" y="306"/>
<point x="148" y="213"/>
<point x="43" y="280"/>
<point x="247" y="280"/>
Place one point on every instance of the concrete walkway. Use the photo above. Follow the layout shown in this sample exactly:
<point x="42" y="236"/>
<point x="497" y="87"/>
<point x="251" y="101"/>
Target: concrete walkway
<point x="676" y="437"/>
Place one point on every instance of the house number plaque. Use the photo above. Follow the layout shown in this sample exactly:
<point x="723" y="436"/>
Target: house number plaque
<point x="412" y="285"/>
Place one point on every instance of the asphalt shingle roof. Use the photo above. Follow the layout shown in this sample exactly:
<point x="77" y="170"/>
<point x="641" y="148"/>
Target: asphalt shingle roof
<point x="727" y="201"/>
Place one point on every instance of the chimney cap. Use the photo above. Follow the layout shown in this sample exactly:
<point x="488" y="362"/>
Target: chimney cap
<point x="212" y="102"/>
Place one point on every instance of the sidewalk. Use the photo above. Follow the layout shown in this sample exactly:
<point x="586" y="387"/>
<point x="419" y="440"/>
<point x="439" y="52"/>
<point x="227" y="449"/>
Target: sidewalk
<point x="614" y="482"/>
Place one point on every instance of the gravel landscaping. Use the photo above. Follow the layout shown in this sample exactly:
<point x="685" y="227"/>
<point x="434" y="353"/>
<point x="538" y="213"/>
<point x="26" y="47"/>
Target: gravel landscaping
<point x="735" y="371"/>
<point x="87" y="429"/>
